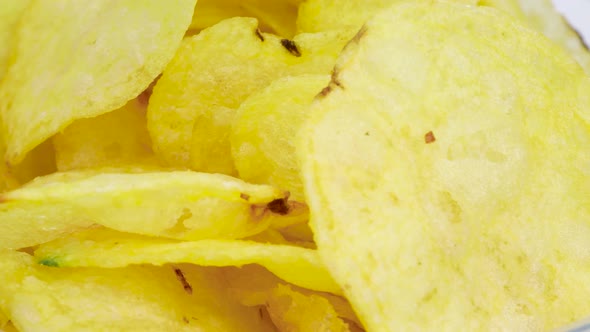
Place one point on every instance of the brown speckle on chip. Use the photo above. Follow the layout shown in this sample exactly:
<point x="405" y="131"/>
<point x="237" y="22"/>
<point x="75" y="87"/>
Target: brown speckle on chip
<point x="259" y="35"/>
<point x="185" y="320"/>
<point x="290" y="46"/>
<point x="334" y="82"/>
<point x="244" y="196"/>
<point x="257" y="212"/>
<point x="279" y="206"/>
<point x="180" y="276"/>
<point x="429" y="137"/>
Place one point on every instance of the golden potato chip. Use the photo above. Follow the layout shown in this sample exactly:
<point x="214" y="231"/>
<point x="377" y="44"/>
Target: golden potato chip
<point x="176" y="204"/>
<point x="73" y="60"/>
<point x="291" y="308"/>
<point x="275" y="16"/>
<point x="10" y="13"/>
<point x="195" y="100"/>
<point x="262" y="132"/>
<point x="108" y="248"/>
<point x="141" y="298"/>
<point x="324" y="15"/>
<point x="447" y="171"/>
<point x="116" y="138"/>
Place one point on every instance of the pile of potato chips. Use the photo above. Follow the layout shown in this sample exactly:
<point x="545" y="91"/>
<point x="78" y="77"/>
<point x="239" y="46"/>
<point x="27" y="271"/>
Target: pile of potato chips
<point x="318" y="165"/>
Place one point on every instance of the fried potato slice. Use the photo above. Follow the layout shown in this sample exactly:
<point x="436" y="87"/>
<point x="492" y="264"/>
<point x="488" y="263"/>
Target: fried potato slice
<point x="10" y="14"/>
<point x="291" y="308"/>
<point x="275" y="16"/>
<point x="176" y="204"/>
<point x="94" y="59"/>
<point x="194" y="102"/>
<point x="542" y="16"/>
<point x="447" y="171"/>
<point x="325" y="15"/>
<point x="141" y="298"/>
<point x="115" y="139"/>
<point x="262" y="132"/>
<point x="108" y="248"/>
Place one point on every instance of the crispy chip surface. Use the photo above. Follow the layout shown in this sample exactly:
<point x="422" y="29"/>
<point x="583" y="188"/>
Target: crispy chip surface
<point x="262" y="144"/>
<point x="446" y="168"/>
<point x="10" y="13"/>
<point x="176" y="204"/>
<point x="194" y="102"/>
<point x="107" y="248"/>
<point x="95" y="57"/>
<point x="139" y="298"/>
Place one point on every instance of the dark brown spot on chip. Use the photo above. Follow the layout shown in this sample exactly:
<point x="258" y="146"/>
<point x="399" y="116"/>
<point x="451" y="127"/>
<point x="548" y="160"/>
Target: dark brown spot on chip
<point x="185" y="285"/>
<point x="244" y="196"/>
<point x="429" y="137"/>
<point x="185" y="320"/>
<point x="279" y="206"/>
<point x="259" y="34"/>
<point x="290" y="46"/>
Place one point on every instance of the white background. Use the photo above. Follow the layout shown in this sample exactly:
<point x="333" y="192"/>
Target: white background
<point x="578" y="14"/>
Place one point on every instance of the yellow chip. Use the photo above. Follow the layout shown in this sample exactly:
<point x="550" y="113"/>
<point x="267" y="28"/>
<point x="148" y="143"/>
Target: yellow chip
<point x="275" y="16"/>
<point x="178" y="204"/>
<point x="108" y="248"/>
<point x="75" y="60"/>
<point x="10" y="13"/>
<point x="195" y="100"/>
<point x="447" y="171"/>
<point x="141" y="298"/>
<point x="118" y="138"/>
<point x="262" y="133"/>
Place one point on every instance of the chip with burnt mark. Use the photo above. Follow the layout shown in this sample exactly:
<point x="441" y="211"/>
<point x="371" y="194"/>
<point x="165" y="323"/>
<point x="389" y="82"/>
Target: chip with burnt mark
<point x="290" y="46"/>
<point x="185" y="285"/>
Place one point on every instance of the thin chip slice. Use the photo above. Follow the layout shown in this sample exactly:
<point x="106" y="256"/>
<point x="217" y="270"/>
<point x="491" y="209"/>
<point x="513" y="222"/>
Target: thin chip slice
<point x="141" y="298"/>
<point x="447" y="171"/>
<point x="262" y="132"/>
<point x="275" y="16"/>
<point x="194" y="102"/>
<point x="176" y="204"/>
<point x="118" y="138"/>
<point x="74" y="60"/>
<point x="10" y="14"/>
<point x="108" y="248"/>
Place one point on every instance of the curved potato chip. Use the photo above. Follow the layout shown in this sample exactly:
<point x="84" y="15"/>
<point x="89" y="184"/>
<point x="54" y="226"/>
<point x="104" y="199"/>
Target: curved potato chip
<point x="140" y="298"/>
<point x="262" y="132"/>
<point x="108" y="248"/>
<point x="94" y="59"/>
<point x="194" y="102"/>
<point x="116" y="138"/>
<point x="275" y="16"/>
<point x="176" y="204"/>
<point x="10" y="14"/>
<point x="447" y="171"/>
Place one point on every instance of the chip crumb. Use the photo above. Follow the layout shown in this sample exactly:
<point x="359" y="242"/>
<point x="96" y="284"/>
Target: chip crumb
<point x="290" y="46"/>
<point x="244" y="196"/>
<point x="429" y="137"/>
<point x="180" y="276"/>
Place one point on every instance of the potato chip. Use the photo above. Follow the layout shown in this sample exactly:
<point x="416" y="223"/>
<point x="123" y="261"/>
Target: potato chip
<point x="447" y="171"/>
<point x="274" y="16"/>
<point x="262" y="132"/>
<point x="114" y="139"/>
<point x="290" y="307"/>
<point x="141" y="298"/>
<point x="195" y="100"/>
<point x="94" y="59"/>
<point x="38" y="162"/>
<point x="176" y="204"/>
<point x="108" y="248"/>
<point x="10" y="13"/>
<point x="325" y="15"/>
